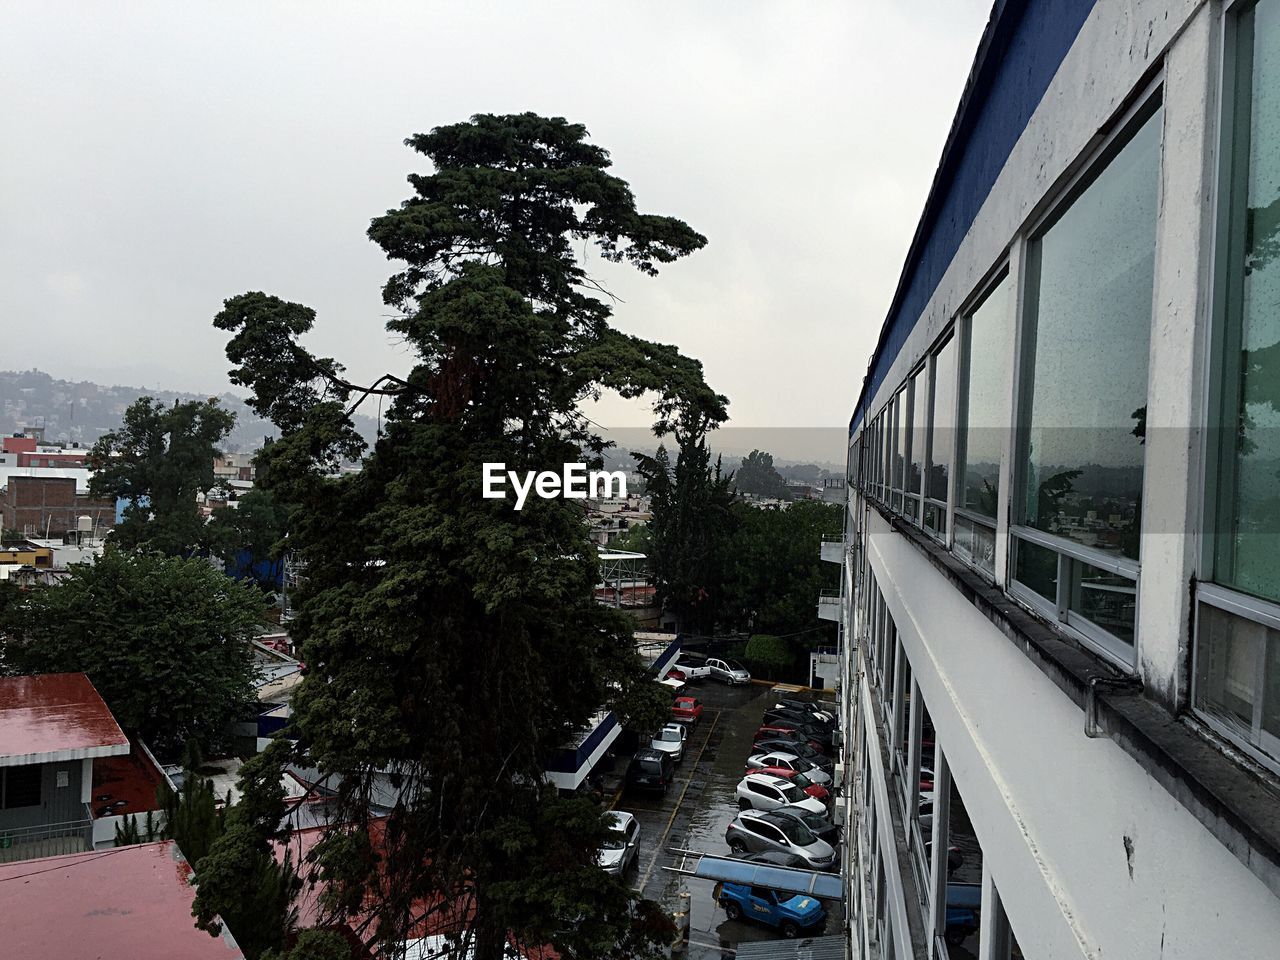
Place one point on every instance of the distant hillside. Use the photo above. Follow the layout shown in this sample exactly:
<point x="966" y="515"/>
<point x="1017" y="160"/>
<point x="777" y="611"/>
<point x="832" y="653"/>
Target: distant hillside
<point x="80" y="412"/>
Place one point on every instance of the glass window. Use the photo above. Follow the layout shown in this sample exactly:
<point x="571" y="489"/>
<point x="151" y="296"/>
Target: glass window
<point x="1036" y="567"/>
<point x="21" y="786"/>
<point x="963" y="857"/>
<point x="919" y="416"/>
<point x="977" y="542"/>
<point x="942" y="425"/>
<point x="985" y="400"/>
<point x="1238" y="676"/>
<point x="1248" y="535"/>
<point x="899" y="443"/>
<point x="1105" y="600"/>
<point x="1088" y="333"/>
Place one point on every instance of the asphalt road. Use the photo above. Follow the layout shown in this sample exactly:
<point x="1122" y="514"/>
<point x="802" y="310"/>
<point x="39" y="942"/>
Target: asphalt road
<point x="694" y="815"/>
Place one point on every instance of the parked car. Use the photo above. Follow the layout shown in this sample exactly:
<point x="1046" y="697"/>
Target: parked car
<point x="814" y="733"/>
<point x="693" y="666"/>
<point x="650" y="770"/>
<point x="759" y="791"/>
<point x="826" y="716"/>
<point x="753" y="831"/>
<point x="774" y="858"/>
<point x="728" y="671"/>
<point x="774" y="732"/>
<point x="815" y="790"/>
<point x="786" y="760"/>
<point x="797" y="746"/>
<point x="821" y="827"/>
<point x="791" y="913"/>
<point x="800" y="719"/>
<point x="687" y="709"/>
<point x="623" y="845"/>
<point x="670" y="740"/>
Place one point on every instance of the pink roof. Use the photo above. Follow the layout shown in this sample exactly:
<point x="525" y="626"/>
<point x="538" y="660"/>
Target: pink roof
<point x="55" y="717"/>
<point x="124" y="902"/>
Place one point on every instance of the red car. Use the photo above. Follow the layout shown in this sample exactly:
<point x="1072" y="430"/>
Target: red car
<point x="815" y="790"/>
<point x="686" y="709"/>
<point x="785" y="733"/>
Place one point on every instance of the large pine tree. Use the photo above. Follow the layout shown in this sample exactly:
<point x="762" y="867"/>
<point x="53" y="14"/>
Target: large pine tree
<point x="450" y="640"/>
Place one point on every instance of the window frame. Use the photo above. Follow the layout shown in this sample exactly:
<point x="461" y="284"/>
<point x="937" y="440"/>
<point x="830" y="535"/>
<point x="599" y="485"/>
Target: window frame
<point x="960" y="447"/>
<point x="1148" y="100"/>
<point x="942" y="509"/>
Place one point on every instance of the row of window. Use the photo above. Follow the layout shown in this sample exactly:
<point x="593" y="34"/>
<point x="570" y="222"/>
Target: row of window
<point x="945" y="854"/>
<point x="1079" y="396"/>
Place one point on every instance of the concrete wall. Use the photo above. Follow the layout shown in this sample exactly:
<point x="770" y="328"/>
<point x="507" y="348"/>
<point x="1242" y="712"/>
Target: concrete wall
<point x="58" y="804"/>
<point x="1091" y="857"/>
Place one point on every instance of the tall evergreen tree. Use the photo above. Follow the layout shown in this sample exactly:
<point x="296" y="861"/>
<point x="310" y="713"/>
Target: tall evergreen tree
<point x="450" y="639"/>
<point x="159" y="460"/>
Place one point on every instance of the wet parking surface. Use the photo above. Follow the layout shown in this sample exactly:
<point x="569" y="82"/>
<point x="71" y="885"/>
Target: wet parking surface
<point x="695" y="813"/>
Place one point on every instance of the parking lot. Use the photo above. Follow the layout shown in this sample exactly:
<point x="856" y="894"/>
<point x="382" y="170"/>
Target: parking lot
<point x="695" y="813"/>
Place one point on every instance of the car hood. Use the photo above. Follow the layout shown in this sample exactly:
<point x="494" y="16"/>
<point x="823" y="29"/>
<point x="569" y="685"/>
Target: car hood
<point x="610" y="858"/>
<point x="812" y="804"/>
<point x="818" y="775"/>
<point x="667" y="746"/>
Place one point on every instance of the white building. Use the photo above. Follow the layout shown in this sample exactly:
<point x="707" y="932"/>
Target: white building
<point x="1061" y="596"/>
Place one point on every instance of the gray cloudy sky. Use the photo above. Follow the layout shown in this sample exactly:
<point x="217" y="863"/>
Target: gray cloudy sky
<point x="159" y="157"/>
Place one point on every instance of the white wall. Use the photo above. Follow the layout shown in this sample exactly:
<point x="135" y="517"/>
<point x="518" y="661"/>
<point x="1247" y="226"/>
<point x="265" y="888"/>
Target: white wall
<point x="1053" y="808"/>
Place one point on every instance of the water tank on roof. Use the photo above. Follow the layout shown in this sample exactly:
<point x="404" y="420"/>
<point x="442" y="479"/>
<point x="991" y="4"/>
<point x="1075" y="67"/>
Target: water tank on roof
<point x="84" y="523"/>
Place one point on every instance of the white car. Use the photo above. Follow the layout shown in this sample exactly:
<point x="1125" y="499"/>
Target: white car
<point x="692" y="666"/>
<point x="789" y="761"/>
<point x="670" y="740"/>
<point x="728" y="671"/>
<point x="623" y="844"/>
<point x="763" y="791"/>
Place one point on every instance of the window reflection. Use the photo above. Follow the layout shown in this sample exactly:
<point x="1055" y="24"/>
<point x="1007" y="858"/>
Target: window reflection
<point x="986" y="411"/>
<point x="1249" y="547"/>
<point x="1037" y="567"/>
<point x="1091" y="285"/>
<point x="944" y="421"/>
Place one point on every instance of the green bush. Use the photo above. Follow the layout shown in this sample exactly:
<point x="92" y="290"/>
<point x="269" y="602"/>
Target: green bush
<point x="769" y="657"/>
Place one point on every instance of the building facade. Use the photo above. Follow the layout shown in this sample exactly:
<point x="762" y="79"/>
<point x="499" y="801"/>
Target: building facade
<point x="1060" y="600"/>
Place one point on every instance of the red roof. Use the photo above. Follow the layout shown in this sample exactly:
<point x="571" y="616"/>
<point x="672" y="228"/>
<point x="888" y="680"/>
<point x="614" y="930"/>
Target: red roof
<point x="130" y="902"/>
<point x="55" y="717"/>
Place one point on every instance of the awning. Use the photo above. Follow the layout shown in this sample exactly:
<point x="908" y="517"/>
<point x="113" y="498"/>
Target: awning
<point x="809" y="948"/>
<point x="824" y="886"/>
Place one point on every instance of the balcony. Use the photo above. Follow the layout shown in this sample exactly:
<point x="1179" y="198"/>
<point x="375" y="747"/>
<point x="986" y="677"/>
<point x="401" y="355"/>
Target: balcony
<point x="829" y="605"/>
<point x="47" y="839"/>
<point x="833" y="548"/>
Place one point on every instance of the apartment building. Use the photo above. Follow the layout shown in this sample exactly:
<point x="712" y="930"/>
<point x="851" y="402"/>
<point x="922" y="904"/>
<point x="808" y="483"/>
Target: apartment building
<point x="1060" y="605"/>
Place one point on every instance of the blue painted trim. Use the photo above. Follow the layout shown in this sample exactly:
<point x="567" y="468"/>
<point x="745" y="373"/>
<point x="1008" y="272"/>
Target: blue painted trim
<point x="573" y="759"/>
<point x="1024" y="44"/>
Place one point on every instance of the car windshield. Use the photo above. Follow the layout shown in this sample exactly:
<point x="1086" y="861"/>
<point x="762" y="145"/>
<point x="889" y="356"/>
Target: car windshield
<point x="650" y="766"/>
<point x="669" y="735"/>
<point x="792" y="793"/>
<point x="616" y="840"/>
<point x="797" y="832"/>
<point x="734" y="665"/>
<point x="801" y="781"/>
<point x="800" y="765"/>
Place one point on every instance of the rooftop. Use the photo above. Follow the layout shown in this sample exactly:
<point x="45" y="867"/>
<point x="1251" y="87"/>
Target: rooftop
<point x="55" y="717"/>
<point x="129" y="901"/>
<point x="126" y="784"/>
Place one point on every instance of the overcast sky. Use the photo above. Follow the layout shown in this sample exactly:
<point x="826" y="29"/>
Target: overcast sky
<point x="160" y="157"/>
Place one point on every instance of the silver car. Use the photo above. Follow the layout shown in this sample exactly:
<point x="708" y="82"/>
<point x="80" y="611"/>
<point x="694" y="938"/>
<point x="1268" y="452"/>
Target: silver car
<point x="789" y="761"/>
<point x="670" y="739"/>
<point x="754" y="831"/>
<point x="728" y="671"/>
<point x="620" y="850"/>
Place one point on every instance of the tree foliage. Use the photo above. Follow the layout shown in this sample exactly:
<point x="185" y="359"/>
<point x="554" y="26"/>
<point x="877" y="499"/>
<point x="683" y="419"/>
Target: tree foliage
<point x="239" y="881"/>
<point x="690" y="531"/>
<point x="163" y="639"/>
<point x="451" y="640"/>
<point x="159" y="460"/>
<point x="248" y="538"/>
<point x="756" y="475"/>
<point x="769" y="656"/>
<point x="774" y="567"/>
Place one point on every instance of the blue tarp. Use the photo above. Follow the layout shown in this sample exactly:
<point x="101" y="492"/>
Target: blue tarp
<point x="824" y="886"/>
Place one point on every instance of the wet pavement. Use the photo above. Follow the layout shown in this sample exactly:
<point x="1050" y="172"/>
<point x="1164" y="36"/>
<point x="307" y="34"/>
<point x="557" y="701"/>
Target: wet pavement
<point x="694" y="815"/>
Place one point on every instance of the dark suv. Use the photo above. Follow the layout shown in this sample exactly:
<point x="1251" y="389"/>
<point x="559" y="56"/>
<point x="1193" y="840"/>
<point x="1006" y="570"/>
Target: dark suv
<point x="650" y="770"/>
